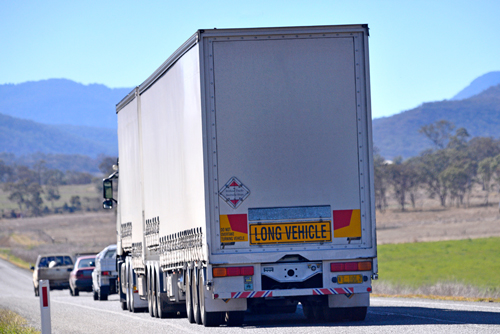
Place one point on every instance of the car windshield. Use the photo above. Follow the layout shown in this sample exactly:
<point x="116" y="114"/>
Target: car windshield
<point x="58" y="260"/>
<point x="84" y="263"/>
<point x="110" y="254"/>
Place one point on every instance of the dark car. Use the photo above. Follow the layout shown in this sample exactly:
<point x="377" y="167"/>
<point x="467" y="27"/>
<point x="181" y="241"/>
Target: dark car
<point x="80" y="279"/>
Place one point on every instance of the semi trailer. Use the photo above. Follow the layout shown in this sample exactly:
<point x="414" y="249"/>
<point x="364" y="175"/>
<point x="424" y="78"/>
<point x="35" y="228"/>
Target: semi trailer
<point x="245" y="178"/>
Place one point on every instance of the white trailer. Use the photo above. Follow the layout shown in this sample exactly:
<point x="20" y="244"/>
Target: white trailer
<point x="246" y="177"/>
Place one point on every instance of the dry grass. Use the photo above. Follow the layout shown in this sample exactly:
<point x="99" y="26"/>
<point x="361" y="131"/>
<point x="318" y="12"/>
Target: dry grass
<point x="69" y="233"/>
<point x="12" y="323"/>
<point x="440" y="290"/>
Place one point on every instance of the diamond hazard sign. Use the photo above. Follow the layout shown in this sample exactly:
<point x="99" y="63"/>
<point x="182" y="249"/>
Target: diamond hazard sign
<point x="234" y="192"/>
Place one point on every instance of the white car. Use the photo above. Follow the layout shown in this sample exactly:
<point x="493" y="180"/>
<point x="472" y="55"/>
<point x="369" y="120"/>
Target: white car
<point x="105" y="274"/>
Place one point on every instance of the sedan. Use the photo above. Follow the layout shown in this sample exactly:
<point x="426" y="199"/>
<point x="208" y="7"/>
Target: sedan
<point x="80" y="278"/>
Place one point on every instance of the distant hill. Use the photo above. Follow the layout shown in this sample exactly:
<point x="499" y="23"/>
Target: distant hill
<point x="398" y="135"/>
<point x="479" y="85"/>
<point x="23" y="137"/>
<point x="62" y="101"/>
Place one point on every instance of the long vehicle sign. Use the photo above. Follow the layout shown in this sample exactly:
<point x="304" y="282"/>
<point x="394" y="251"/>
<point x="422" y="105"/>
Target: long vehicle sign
<point x="290" y="232"/>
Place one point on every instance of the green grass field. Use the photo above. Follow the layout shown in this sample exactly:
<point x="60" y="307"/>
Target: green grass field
<point x="474" y="262"/>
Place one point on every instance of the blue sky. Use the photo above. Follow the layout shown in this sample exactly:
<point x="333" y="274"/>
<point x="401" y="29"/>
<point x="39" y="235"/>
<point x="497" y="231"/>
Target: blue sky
<point x="420" y="51"/>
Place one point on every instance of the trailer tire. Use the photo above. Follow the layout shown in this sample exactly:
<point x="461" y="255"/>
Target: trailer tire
<point x="196" y="298"/>
<point x="153" y="295"/>
<point x="189" y="297"/>
<point x="235" y="318"/>
<point x="150" y="294"/>
<point x="334" y="314"/>
<point x="208" y="319"/>
<point x="356" y="313"/>
<point x="161" y="313"/>
<point x="308" y="311"/>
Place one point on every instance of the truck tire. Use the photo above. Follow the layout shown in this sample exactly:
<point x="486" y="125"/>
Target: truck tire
<point x="150" y="294"/>
<point x="123" y="305"/>
<point x="189" y="297"/>
<point x="161" y="313"/>
<point x="37" y="293"/>
<point x="153" y="295"/>
<point x="235" y="318"/>
<point x="334" y="314"/>
<point x="208" y="319"/>
<point x="196" y="298"/>
<point x="102" y="295"/>
<point x="356" y="313"/>
<point x="76" y="292"/>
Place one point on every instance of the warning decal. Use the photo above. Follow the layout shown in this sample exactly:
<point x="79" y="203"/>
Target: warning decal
<point x="234" y="192"/>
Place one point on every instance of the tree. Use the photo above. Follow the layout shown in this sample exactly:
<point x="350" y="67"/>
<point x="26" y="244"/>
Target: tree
<point x="106" y="165"/>
<point x="25" y="190"/>
<point x="438" y="132"/>
<point x="403" y="177"/>
<point x="431" y="165"/>
<point x="53" y="179"/>
<point x="380" y="181"/>
<point x="485" y="172"/>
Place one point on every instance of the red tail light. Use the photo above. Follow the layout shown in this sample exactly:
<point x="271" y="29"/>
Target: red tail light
<point x="106" y="273"/>
<point x="350" y="266"/>
<point x="79" y="274"/>
<point x="232" y="271"/>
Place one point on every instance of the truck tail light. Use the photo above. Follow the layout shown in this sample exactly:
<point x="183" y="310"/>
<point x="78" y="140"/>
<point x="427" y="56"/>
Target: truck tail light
<point x="351" y="266"/>
<point x="233" y="271"/>
<point x="105" y="273"/>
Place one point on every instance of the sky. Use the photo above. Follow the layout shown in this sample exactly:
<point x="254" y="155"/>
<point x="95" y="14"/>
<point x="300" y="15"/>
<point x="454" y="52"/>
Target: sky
<point x="420" y="51"/>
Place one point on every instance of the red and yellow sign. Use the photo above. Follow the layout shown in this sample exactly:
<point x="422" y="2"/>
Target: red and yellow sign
<point x="347" y="223"/>
<point x="233" y="228"/>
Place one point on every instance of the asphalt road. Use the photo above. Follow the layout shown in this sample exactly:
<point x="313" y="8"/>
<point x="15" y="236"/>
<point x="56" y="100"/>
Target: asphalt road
<point x="386" y="315"/>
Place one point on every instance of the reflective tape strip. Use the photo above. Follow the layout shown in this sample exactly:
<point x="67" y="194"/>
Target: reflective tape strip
<point x="335" y="291"/>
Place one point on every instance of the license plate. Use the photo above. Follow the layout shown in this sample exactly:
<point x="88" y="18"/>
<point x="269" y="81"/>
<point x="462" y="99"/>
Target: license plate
<point x="290" y="233"/>
<point x="349" y="279"/>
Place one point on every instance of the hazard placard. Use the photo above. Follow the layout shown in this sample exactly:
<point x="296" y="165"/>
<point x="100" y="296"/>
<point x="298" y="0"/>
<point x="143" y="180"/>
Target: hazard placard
<point x="234" y="192"/>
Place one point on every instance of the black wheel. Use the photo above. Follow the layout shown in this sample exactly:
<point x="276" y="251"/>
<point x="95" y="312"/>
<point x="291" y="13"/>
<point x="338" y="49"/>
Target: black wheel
<point x="308" y="311"/>
<point x="150" y="294"/>
<point x="96" y="297"/>
<point x="123" y="305"/>
<point x="356" y="313"/>
<point x="235" y="318"/>
<point x="160" y="312"/>
<point x="153" y="295"/>
<point x="334" y="314"/>
<point x="196" y="300"/>
<point x="71" y="291"/>
<point x="37" y="293"/>
<point x="189" y="298"/>
<point x="209" y="319"/>
<point x="76" y="292"/>
<point x="102" y="296"/>
<point x="318" y="312"/>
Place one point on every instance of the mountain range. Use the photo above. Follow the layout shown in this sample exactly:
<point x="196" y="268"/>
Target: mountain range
<point x="60" y="116"/>
<point x="476" y="108"/>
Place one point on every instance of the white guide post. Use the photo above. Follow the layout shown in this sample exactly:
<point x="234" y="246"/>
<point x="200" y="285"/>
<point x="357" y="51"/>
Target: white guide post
<point x="44" y="290"/>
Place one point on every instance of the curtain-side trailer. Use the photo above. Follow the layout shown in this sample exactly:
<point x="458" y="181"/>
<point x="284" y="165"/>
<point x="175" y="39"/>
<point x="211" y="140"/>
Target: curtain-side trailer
<point x="246" y="177"/>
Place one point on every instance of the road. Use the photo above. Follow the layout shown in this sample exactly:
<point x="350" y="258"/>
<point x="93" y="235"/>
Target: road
<point x="386" y="315"/>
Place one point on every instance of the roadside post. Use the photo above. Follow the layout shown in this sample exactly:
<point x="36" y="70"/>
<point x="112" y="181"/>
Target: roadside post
<point x="44" y="289"/>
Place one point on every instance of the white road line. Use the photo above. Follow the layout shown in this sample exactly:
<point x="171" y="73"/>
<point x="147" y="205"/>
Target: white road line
<point x="123" y="314"/>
